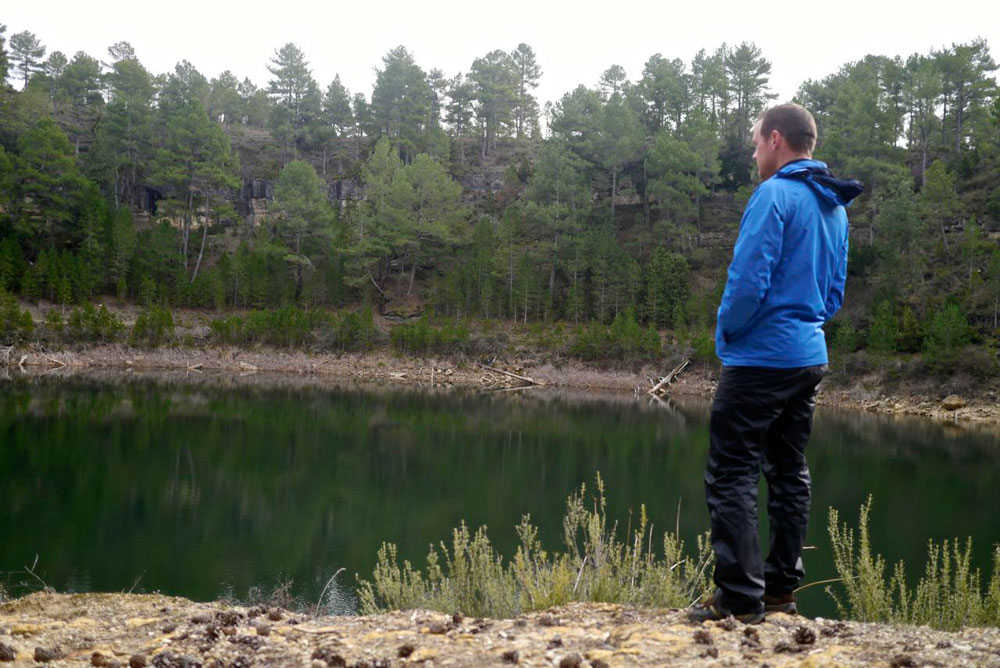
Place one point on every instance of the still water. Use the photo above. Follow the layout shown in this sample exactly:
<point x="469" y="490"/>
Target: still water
<point x="211" y="488"/>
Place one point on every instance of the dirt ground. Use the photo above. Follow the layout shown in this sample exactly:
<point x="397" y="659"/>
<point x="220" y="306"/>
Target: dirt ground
<point x="151" y="630"/>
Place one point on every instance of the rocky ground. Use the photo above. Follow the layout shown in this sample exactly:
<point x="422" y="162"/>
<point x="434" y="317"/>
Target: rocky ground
<point x="164" y="632"/>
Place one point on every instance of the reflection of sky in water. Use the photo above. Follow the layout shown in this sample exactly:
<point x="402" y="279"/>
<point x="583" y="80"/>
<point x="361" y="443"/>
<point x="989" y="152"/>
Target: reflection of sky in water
<point x="222" y="488"/>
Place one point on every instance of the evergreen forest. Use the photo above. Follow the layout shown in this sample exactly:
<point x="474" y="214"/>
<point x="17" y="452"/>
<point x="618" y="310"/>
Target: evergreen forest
<point x="611" y="210"/>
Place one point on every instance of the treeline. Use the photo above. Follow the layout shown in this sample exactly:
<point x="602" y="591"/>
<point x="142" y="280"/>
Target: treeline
<point x="118" y="180"/>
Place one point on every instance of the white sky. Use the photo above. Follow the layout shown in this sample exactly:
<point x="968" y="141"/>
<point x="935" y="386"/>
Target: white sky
<point x="573" y="41"/>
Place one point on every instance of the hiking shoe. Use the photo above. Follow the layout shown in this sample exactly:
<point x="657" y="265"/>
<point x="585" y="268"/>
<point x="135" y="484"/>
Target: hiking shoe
<point x="713" y="610"/>
<point x="780" y="603"/>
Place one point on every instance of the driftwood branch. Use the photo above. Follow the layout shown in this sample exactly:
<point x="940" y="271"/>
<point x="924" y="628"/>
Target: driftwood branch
<point x="512" y="375"/>
<point x="666" y="380"/>
<point x="53" y="359"/>
<point x="323" y="593"/>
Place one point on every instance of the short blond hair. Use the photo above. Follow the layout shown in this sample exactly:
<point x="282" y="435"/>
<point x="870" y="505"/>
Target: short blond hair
<point x="793" y="122"/>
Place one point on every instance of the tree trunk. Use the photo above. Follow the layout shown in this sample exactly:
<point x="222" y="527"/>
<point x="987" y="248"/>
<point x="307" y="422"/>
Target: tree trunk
<point x="298" y="267"/>
<point x="959" y="108"/>
<point x="413" y="272"/>
<point x="552" y="272"/>
<point x="614" y="190"/>
<point x="201" y="251"/>
<point x="510" y="288"/>
<point x="645" y="194"/>
<point x="871" y="224"/>
<point x="923" y="165"/>
<point x="186" y="226"/>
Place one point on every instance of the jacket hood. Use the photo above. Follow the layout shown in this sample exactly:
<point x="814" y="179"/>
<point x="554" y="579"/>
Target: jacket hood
<point x="837" y="192"/>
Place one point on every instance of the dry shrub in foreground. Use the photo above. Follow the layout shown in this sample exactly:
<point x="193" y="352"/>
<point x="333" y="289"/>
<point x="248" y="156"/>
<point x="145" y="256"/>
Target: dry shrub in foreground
<point x="473" y="579"/>
<point x="949" y="596"/>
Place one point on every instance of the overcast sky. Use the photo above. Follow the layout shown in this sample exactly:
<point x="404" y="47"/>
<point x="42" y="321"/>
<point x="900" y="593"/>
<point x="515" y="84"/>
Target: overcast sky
<point x="574" y="41"/>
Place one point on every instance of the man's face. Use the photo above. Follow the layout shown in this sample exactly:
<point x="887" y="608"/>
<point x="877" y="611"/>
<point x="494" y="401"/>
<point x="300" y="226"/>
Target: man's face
<point x="766" y="153"/>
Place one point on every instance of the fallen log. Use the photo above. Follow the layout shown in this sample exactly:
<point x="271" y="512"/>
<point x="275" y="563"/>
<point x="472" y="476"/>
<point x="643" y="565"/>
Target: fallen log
<point x="666" y="380"/>
<point x="53" y="359"/>
<point x="512" y="375"/>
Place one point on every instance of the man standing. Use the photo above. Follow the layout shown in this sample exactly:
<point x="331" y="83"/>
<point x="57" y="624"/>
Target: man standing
<point x="785" y="281"/>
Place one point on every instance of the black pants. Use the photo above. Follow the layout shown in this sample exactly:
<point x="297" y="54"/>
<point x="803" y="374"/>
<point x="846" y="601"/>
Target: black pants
<point x="761" y="419"/>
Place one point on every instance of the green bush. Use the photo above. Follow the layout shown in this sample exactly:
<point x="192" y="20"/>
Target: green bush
<point x="54" y="322"/>
<point x="288" y="326"/>
<point x="703" y="347"/>
<point x="624" y="340"/>
<point x="14" y="322"/>
<point x="948" y="596"/>
<point x="423" y="338"/>
<point x="152" y="327"/>
<point x="473" y="579"/>
<point x="947" y="332"/>
<point x="883" y="333"/>
<point x="353" y="331"/>
<point x="92" y="324"/>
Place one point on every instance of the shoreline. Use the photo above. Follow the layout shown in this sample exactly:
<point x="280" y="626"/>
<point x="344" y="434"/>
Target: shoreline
<point x="383" y="367"/>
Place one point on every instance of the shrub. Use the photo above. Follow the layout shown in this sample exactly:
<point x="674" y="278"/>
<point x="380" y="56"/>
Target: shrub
<point x="353" y="331"/>
<point x="152" y="327"/>
<point x="947" y="332"/>
<point x="948" y="596"/>
<point x="623" y="340"/>
<point x="422" y="338"/>
<point x="703" y="347"/>
<point x="288" y="326"/>
<point x="473" y="579"/>
<point x="14" y="322"/>
<point x="54" y="322"/>
<point x="884" y="333"/>
<point x="91" y="324"/>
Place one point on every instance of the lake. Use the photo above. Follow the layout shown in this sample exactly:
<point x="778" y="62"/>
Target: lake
<point x="228" y="487"/>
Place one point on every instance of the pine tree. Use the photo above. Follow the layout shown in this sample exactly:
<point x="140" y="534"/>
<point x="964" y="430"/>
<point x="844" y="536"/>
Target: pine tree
<point x="4" y="60"/>
<point x="401" y="102"/>
<point x="296" y="97"/>
<point x="947" y="332"/>
<point x="27" y="52"/>
<point x="496" y="79"/>
<point x="304" y="219"/>
<point x="667" y="285"/>
<point x="613" y="80"/>
<point x="338" y="117"/>
<point x="49" y="186"/>
<point x="884" y="332"/>
<point x="527" y="72"/>
<point x="194" y="156"/>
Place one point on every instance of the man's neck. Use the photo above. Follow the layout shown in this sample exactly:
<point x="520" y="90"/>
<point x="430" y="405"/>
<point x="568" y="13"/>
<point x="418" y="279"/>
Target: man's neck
<point x="795" y="158"/>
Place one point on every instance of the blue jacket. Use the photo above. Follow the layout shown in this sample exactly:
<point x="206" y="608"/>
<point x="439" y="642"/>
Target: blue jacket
<point x="788" y="270"/>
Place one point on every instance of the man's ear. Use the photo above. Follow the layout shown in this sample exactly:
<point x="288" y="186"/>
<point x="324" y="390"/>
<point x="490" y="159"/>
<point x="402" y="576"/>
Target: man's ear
<point x="776" y="139"/>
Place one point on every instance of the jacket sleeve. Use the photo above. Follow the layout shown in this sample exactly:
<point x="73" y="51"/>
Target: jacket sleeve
<point x="836" y="295"/>
<point x="757" y="250"/>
